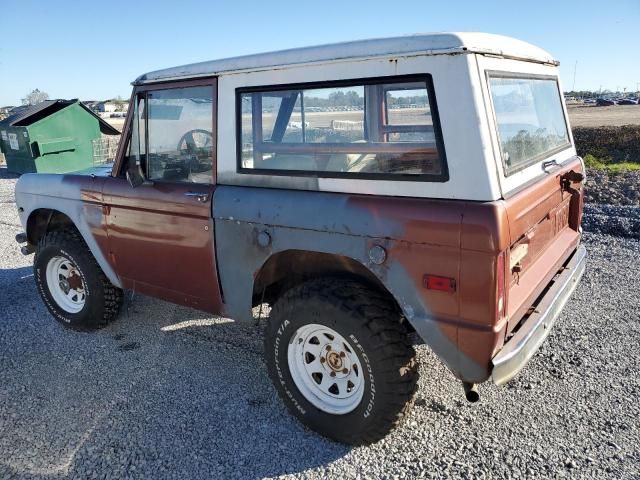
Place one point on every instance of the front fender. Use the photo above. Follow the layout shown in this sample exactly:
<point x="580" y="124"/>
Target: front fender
<point x="79" y="197"/>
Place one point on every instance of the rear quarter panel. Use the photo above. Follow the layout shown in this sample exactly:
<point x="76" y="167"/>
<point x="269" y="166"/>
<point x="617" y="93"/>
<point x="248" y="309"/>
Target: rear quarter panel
<point x="420" y="236"/>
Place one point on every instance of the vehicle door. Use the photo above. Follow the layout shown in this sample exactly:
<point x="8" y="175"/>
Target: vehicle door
<point x="161" y="231"/>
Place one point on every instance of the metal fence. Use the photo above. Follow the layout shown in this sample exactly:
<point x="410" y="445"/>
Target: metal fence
<point x="105" y="149"/>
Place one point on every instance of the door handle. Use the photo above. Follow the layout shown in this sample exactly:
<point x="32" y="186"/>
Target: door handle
<point x="549" y="164"/>
<point x="201" y="197"/>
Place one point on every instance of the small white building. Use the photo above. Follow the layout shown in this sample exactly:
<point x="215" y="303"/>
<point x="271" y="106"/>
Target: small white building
<point x="106" y="107"/>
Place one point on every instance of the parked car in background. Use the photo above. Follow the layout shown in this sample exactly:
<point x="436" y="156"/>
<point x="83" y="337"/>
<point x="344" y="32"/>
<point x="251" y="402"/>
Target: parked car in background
<point x="627" y="101"/>
<point x="457" y="218"/>
<point x="605" y="102"/>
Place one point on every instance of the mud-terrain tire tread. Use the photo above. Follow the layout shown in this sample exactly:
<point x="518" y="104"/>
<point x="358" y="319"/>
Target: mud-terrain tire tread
<point x="113" y="296"/>
<point x="380" y="318"/>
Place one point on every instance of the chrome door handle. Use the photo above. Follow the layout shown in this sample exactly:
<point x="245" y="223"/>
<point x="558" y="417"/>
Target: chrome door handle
<point x="201" y="197"/>
<point x="546" y="166"/>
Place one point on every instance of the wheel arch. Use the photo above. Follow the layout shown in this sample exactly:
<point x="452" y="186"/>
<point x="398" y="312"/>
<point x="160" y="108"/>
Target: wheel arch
<point x="286" y="269"/>
<point x="42" y="220"/>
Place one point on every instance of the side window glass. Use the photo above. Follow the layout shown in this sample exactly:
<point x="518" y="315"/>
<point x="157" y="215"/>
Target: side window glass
<point x="180" y="134"/>
<point x="408" y="116"/>
<point x="378" y="129"/>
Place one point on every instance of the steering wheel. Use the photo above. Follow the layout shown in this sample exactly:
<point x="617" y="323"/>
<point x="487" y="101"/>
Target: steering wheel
<point x="188" y="141"/>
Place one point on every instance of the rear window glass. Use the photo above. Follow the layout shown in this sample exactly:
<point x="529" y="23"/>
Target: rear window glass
<point x="530" y="119"/>
<point x="372" y="129"/>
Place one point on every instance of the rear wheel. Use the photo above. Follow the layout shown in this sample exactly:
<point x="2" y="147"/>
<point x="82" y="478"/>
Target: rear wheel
<point x="72" y="284"/>
<point x="341" y="359"/>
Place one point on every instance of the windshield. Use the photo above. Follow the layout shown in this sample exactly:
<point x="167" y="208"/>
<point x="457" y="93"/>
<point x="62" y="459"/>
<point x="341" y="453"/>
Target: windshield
<point x="530" y="119"/>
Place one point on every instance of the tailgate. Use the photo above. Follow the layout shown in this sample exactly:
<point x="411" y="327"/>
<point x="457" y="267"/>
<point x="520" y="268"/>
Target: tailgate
<point x="544" y="223"/>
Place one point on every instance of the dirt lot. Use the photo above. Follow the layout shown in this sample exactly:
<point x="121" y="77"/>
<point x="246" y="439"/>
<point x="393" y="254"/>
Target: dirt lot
<point x="615" y="116"/>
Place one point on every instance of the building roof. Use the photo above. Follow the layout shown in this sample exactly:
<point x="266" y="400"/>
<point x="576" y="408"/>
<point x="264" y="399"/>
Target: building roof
<point x="31" y="114"/>
<point x="424" y="43"/>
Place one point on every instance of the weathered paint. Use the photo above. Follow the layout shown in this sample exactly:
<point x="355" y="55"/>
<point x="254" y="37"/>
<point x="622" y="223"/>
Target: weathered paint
<point x="79" y="197"/>
<point x="420" y="236"/>
<point x="454" y="239"/>
<point x="161" y="241"/>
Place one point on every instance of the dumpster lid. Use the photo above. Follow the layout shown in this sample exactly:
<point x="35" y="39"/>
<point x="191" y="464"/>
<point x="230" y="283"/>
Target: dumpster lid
<point x="31" y="114"/>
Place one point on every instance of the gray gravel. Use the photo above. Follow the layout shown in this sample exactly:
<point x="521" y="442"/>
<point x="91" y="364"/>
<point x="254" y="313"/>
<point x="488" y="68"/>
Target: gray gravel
<point x="167" y="392"/>
<point x="623" y="221"/>
<point x="615" y="188"/>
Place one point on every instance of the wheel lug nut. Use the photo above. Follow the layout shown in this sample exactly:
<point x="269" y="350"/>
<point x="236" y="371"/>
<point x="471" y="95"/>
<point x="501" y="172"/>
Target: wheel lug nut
<point x="345" y="370"/>
<point x="333" y="374"/>
<point x="322" y="360"/>
<point x="328" y="347"/>
<point x="342" y="354"/>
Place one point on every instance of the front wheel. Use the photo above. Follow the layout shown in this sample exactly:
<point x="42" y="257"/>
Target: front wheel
<point x="341" y="360"/>
<point x="71" y="283"/>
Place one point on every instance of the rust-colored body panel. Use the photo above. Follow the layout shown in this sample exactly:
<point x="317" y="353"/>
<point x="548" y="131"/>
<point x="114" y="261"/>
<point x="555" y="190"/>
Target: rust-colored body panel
<point x="545" y="217"/>
<point x="470" y="236"/>
<point x="161" y="241"/>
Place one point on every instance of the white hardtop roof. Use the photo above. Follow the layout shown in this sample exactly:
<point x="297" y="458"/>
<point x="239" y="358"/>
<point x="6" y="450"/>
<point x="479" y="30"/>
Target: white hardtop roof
<point x="418" y="44"/>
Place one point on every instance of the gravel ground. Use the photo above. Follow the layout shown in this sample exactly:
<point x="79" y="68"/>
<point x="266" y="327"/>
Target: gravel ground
<point x="613" y="188"/>
<point x="614" y="220"/>
<point x="167" y="392"/>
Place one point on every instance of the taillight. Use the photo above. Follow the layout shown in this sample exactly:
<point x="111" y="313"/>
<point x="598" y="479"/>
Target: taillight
<point x="501" y="300"/>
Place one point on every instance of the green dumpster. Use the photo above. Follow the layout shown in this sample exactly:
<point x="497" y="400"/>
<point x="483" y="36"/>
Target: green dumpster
<point x="55" y="136"/>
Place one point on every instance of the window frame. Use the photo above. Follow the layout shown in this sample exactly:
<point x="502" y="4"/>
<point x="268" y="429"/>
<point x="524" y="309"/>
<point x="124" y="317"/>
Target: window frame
<point x="508" y="171"/>
<point x="358" y="147"/>
<point x="140" y="92"/>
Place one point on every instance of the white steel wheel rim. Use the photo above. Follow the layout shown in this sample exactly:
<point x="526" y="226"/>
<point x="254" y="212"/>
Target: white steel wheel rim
<point x="326" y="369"/>
<point x="66" y="285"/>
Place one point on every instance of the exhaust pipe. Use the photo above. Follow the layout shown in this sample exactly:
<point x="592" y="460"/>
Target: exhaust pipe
<point x="471" y="392"/>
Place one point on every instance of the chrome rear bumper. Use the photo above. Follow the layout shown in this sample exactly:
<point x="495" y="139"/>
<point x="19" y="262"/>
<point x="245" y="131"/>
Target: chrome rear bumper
<point x="524" y="344"/>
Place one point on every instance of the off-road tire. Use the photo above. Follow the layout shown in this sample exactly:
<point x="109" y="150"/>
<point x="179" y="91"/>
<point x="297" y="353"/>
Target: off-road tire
<point x="372" y="324"/>
<point x="103" y="299"/>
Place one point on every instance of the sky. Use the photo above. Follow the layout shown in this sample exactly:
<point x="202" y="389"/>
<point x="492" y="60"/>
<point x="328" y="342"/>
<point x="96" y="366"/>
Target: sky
<point x="93" y="50"/>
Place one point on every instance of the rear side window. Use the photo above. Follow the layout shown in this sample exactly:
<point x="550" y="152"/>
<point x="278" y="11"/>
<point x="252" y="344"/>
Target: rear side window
<point x="530" y="119"/>
<point x="386" y="128"/>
